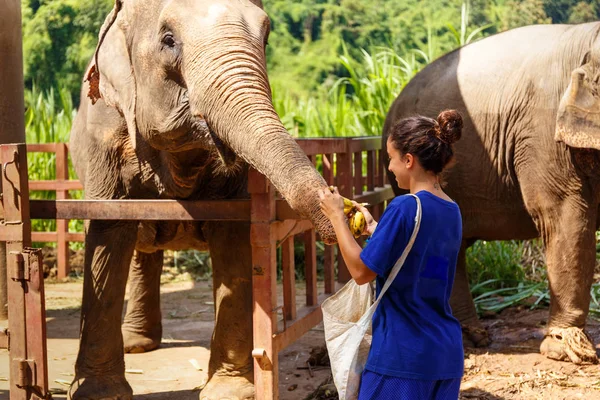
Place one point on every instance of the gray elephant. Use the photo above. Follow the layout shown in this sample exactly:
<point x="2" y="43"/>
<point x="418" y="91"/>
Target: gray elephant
<point x="180" y="106"/>
<point x="528" y="163"/>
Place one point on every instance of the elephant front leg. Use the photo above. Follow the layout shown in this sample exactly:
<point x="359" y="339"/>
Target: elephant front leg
<point x="230" y="366"/>
<point x="463" y="308"/>
<point x="142" y="328"/>
<point x="571" y="257"/>
<point x="100" y="367"/>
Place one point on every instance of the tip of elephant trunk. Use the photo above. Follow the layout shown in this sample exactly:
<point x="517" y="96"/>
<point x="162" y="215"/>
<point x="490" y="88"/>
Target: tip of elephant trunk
<point x="324" y="228"/>
<point x="306" y="202"/>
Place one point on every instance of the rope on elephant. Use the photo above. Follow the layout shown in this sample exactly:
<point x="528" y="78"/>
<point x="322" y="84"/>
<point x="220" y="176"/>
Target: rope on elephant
<point x="576" y="343"/>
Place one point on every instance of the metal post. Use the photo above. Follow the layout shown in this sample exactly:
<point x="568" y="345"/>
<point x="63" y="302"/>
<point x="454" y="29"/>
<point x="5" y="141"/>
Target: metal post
<point x="12" y="121"/>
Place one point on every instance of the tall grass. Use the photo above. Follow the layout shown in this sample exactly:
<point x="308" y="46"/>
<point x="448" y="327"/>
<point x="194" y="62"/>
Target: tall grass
<point x="48" y="119"/>
<point x="355" y="105"/>
<point x="48" y="115"/>
<point x="504" y="274"/>
<point x="461" y="37"/>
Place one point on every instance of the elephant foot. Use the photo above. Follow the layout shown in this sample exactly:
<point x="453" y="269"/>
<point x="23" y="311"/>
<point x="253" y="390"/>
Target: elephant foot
<point x="569" y="344"/>
<point x="134" y="342"/>
<point x="222" y="387"/>
<point x="475" y="336"/>
<point x="113" y="387"/>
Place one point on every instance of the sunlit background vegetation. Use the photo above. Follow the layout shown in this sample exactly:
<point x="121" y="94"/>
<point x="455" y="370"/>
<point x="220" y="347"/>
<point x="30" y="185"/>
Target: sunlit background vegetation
<point x="335" y="67"/>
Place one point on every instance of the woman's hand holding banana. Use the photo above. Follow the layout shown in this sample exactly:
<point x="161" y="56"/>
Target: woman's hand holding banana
<point x="370" y="222"/>
<point x="360" y="220"/>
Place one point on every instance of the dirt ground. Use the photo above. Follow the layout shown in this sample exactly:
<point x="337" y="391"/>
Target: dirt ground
<point x="511" y="368"/>
<point x="169" y="372"/>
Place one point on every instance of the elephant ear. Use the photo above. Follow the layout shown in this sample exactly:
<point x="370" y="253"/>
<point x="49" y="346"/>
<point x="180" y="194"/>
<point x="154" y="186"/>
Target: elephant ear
<point x="110" y="75"/>
<point x="578" y="119"/>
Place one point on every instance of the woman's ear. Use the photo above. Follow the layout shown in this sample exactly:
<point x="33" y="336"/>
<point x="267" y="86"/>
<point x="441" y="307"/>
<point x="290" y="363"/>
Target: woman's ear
<point x="409" y="159"/>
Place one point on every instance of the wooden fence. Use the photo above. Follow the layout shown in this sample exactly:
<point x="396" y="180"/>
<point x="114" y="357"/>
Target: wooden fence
<point x="352" y="164"/>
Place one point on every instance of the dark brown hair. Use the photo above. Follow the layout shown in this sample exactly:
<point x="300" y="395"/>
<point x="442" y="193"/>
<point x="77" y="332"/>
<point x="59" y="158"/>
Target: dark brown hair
<point x="428" y="139"/>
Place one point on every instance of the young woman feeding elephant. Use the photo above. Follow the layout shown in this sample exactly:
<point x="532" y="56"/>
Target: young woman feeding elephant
<point x="416" y="350"/>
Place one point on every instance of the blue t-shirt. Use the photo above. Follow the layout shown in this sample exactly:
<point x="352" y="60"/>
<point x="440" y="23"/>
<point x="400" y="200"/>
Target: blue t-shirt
<point x="414" y="333"/>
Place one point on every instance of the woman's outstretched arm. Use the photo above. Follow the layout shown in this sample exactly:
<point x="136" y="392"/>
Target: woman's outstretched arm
<point x="332" y="206"/>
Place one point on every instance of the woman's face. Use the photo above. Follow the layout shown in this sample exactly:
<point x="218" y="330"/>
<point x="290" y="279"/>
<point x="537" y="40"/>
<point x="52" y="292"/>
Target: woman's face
<point x="399" y="165"/>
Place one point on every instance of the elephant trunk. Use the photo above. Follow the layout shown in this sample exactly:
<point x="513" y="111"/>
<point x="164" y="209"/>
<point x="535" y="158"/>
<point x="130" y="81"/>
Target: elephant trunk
<point x="235" y="101"/>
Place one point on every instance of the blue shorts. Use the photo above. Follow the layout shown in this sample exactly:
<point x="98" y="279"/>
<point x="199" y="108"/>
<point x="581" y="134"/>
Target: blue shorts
<point x="374" y="386"/>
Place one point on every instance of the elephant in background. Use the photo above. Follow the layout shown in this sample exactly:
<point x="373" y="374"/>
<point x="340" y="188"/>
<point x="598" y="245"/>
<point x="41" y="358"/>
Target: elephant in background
<point x="179" y="106"/>
<point x="528" y="164"/>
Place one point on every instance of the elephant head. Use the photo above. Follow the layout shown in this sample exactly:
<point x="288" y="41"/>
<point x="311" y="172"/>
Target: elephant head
<point x="578" y="119"/>
<point x="189" y="74"/>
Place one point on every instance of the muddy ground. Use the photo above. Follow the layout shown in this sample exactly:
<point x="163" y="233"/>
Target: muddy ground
<point x="511" y="368"/>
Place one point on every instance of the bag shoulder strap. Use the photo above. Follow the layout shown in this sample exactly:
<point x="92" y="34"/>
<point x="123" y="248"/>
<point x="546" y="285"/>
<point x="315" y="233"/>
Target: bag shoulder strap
<point x="402" y="258"/>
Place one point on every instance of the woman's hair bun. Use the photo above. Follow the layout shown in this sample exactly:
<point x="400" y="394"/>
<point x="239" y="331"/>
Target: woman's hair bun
<point x="449" y="126"/>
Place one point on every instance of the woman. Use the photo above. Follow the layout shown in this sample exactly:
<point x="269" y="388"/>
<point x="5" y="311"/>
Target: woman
<point x="416" y="352"/>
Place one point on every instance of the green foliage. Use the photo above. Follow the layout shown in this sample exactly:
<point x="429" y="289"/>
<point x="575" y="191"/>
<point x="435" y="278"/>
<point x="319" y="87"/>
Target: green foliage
<point x="525" y="12"/>
<point x="461" y="37"/>
<point x="558" y="10"/>
<point x="48" y="116"/>
<point x="495" y="261"/>
<point x="503" y="274"/>
<point x="355" y="105"/>
<point x="583" y="12"/>
<point x="59" y="38"/>
<point x="307" y="36"/>
<point x="48" y="119"/>
<point x="571" y="11"/>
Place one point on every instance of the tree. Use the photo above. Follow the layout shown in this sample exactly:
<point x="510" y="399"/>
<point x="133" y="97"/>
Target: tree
<point x="525" y="12"/>
<point x="582" y="12"/>
<point x="59" y="38"/>
<point x="558" y="10"/>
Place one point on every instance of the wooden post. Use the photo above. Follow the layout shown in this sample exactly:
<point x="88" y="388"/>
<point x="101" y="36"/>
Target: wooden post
<point x="358" y="181"/>
<point x="370" y="170"/>
<point x="310" y="258"/>
<point x="328" y="267"/>
<point x="289" y="278"/>
<point x="25" y="283"/>
<point x="379" y="182"/>
<point x="62" y="225"/>
<point x="310" y="266"/>
<point x="358" y="175"/>
<point x="264" y="285"/>
<point x="16" y="216"/>
<point x="12" y="108"/>
<point x="344" y="181"/>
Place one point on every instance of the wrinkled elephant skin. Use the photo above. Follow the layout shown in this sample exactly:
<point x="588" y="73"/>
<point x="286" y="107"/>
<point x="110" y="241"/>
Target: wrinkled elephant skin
<point x="528" y="164"/>
<point x="177" y="105"/>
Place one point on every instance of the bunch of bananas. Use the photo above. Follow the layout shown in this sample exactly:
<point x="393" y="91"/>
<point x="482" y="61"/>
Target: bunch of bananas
<point x="356" y="220"/>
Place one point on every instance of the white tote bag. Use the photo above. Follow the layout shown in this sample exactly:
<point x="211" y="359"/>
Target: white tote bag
<point x="347" y="318"/>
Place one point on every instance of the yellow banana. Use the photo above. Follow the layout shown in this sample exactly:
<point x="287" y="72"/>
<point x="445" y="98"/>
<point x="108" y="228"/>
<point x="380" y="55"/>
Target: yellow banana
<point x="348" y="206"/>
<point x="357" y="224"/>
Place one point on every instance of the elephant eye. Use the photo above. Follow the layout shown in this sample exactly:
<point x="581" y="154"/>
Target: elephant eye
<point x="168" y="40"/>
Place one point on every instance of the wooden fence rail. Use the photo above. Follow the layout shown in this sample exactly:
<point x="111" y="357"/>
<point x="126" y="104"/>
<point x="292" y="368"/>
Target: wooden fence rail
<point x="340" y="160"/>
